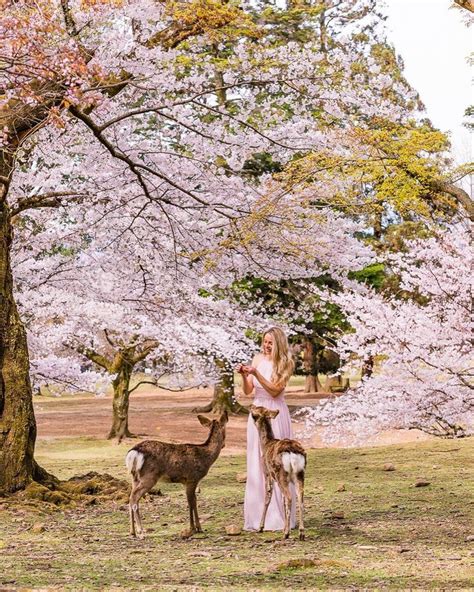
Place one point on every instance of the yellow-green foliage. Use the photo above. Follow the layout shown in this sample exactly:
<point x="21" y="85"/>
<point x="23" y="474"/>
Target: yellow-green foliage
<point x="216" y="19"/>
<point x="394" y="164"/>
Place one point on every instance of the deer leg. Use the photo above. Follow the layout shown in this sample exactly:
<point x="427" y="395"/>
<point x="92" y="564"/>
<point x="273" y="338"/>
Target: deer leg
<point x="299" y="483"/>
<point x="287" y="508"/>
<point x="191" y="495"/>
<point x="136" y="528"/>
<point x="131" y="513"/>
<point x="286" y="493"/>
<point x="268" y="497"/>
<point x="140" y="485"/>
<point x="132" y="520"/>
<point x="196" y="517"/>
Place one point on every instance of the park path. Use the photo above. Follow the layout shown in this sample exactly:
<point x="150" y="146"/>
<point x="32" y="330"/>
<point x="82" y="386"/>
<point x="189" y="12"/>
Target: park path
<point x="168" y="416"/>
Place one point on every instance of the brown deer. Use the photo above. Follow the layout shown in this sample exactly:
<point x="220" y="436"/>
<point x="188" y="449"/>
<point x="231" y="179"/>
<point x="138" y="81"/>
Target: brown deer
<point x="284" y="461"/>
<point x="152" y="460"/>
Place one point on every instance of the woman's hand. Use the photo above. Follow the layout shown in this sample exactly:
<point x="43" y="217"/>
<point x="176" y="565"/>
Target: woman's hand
<point x="243" y="369"/>
<point x="247" y="383"/>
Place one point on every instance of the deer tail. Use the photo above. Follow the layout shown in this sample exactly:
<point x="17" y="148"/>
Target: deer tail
<point x="294" y="463"/>
<point x="134" y="461"/>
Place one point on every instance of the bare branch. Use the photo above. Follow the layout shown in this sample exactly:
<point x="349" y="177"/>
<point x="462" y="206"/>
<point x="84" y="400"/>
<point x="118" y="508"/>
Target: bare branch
<point x="52" y="199"/>
<point x="147" y="349"/>
<point x="93" y="356"/>
<point x="153" y="382"/>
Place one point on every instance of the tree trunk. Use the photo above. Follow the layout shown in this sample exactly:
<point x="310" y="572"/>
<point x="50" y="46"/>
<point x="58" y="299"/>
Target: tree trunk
<point x="336" y="384"/>
<point x="323" y="34"/>
<point x="368" y="367"/>
<point x="121" y="386"/>
<point x="17" y="419"/>
<point x="224" y="392"/>
<point x="310" y="366"/>
<point x="377" y="225"/>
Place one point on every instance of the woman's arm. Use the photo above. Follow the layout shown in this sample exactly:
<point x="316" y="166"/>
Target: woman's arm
<point x="247" y="383"/>
<point x="272" y="388"/>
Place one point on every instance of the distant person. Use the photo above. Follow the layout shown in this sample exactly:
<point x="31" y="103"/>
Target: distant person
<point x="268" y="376"/>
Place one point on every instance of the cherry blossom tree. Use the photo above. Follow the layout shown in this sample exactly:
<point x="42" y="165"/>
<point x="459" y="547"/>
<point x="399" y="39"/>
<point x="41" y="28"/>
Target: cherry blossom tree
<point x="117" y="305"/>
<point x="102" y="316"/>
<point x="422" y="339"/>
<point x="113" y="132"/>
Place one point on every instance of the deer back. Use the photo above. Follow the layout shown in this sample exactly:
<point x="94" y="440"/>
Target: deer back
<point x="182" y="463"/>
<point x="177" y="463"/>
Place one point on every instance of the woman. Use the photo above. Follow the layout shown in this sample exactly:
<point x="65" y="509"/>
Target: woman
<point x="268" y="375"/>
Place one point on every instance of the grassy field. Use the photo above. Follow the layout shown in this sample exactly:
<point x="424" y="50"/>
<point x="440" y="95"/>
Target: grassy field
<point x="366" y="527"/>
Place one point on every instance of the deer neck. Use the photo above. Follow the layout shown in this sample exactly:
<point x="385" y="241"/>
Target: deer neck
<point x="215" y="441"/>
<point x="265" y="432"/>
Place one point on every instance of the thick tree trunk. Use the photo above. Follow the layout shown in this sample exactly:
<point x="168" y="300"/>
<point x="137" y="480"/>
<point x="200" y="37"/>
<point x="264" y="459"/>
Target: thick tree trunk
<point x="310" y="366"/>
<point x="17" y="419"/>
<point x="224" y="392"/>
<point x="121" y="386"/>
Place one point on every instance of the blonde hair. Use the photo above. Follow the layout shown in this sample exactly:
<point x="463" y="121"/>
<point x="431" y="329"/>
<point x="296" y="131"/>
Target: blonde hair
<point x="283" y="363"/>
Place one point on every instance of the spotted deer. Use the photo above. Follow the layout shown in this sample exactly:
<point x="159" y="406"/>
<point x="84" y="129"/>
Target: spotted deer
<point x="152" y="460"/>
<point x="284" y="462"/>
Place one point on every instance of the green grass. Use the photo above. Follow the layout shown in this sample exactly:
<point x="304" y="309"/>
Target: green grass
<point x="393" y="535"/>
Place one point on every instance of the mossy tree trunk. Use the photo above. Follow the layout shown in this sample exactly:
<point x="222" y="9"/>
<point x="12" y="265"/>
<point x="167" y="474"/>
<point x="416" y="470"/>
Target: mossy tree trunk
<point x="17" y="420"/>
<point x="121" y="362"/>
<point x="224" y="392"/>
<point x="121" y="386"/>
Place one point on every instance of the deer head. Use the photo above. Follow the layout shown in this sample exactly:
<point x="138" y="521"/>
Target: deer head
<point x="216" y="426"/>
<point x="263" y="412"/>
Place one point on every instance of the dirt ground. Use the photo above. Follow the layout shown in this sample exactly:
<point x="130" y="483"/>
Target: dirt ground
<point x="168" y="416"/>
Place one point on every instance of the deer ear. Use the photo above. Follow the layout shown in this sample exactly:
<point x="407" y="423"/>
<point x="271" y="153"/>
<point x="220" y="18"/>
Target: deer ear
<point x="205" y="421"/>
<point x="274" y="413"/>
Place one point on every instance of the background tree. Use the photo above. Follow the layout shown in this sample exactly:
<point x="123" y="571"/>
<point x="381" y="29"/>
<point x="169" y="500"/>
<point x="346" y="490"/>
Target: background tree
<point x="422" y="339"/>
<point x="95" y="315"/>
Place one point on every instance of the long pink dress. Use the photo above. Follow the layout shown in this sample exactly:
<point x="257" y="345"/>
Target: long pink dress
<point x="255" y="486"/>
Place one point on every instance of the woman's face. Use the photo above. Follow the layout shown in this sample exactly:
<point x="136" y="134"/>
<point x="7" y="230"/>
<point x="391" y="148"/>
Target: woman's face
<point x="268" y="344"/>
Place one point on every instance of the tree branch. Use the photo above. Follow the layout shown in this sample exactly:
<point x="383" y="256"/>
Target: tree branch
<point x="466" y="4"/>
<point x="109" y="339"/>
<point x="459" y="194"/>
<point x="44" y="200"/>
<point x="153" y="382"/>
<point x="141" y="355"/>
<point x="93" y="356"/>
<point x="138" y="168"/>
